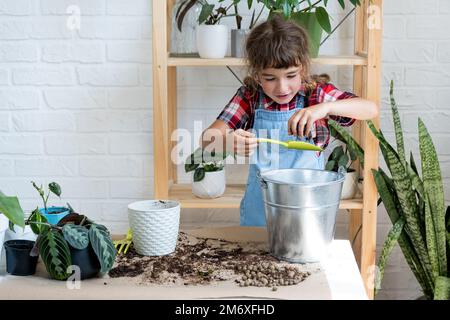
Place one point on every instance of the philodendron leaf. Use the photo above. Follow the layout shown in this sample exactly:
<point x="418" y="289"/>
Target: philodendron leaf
<point x="330" y="165"/>
<point x="103" y="247"/>
<point x="11" y="208"/>
<point x="55" y="253"/>
<point x="76" y="236"/>
<point x="55" y="188"/>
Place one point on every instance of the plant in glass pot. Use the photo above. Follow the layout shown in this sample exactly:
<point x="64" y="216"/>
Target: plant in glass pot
<point x="311" y="15"/>
<point x="208" y="177"/>
<point x="212" y="37"/>
<point x="183" y="38"/>
<point x="239" y="35"/>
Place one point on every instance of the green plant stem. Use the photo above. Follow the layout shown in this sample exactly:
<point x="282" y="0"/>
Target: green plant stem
<point x="45" y="202"/>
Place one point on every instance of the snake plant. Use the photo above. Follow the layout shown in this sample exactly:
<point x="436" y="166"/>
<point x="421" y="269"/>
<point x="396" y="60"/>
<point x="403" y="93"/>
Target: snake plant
<point x="416" y="207"/>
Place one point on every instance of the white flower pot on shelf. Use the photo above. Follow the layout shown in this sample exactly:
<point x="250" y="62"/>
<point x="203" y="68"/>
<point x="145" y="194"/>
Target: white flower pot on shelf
<point x="350" y="185"/>
<point x="211" y="186"/>
<point x="212" y="41"/>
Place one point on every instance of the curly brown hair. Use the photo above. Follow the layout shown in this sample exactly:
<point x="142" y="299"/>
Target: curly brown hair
<point x="279" y="43"/>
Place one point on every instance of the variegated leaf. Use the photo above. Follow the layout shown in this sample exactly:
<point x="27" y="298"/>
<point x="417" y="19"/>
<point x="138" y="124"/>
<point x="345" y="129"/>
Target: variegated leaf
<point x="76" y="236"/>
<point x="432" y="181"/>
<point x="103" y="247"/>
<point x="55" y="253"/>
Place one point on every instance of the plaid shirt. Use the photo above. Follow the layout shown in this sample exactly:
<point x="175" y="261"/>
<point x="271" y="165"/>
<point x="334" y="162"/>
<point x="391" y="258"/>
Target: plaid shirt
<point x="240" y="111"/>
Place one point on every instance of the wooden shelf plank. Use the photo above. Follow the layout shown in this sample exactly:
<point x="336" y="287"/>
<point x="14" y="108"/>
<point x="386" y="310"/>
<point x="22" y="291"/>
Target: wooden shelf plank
<point x="347" y="60"/>
<point x="231" y="199"/>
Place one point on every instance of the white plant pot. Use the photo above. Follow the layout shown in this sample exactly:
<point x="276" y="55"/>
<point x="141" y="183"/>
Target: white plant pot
<point x="212" y="41"/>
<point x="350" y="185"/>
<point x="155" y="225"/>
<point x="211" y="186"/>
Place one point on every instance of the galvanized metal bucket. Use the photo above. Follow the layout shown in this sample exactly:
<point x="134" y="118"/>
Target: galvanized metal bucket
<point x="301" y="207"/>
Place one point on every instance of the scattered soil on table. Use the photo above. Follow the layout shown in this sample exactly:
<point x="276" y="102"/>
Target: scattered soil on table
<point x="205" y="261"/>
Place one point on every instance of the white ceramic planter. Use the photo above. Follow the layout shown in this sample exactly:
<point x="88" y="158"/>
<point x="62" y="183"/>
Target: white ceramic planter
<point x="350" y="185"/>
<point x="155" y="225"/>
<point x="212" y="41"/>
<point x="211" y="186"/>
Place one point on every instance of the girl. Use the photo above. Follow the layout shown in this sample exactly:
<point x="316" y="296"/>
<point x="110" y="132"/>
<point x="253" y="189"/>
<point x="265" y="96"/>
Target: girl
<point x="280" y="100"/>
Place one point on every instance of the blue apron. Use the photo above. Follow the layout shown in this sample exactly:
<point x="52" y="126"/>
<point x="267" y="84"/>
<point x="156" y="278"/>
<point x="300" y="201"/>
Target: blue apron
<point x="272" y="124"/>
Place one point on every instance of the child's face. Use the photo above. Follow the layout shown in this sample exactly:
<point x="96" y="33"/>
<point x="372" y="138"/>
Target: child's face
<point x="280" y="84"/>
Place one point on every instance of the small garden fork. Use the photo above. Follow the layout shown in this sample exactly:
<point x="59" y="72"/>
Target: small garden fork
<point x="124" y="244"/>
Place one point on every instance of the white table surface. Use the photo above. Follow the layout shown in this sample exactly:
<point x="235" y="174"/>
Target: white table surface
<point x="337" y="278"/>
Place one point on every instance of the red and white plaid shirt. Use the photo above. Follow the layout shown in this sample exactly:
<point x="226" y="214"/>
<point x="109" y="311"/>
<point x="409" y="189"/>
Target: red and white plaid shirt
<point x="239" y="113"/>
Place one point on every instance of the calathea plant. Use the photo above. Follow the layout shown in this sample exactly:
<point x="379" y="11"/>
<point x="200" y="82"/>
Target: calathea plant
<point x="415" y="204"/>
<point x="55" y="242"/>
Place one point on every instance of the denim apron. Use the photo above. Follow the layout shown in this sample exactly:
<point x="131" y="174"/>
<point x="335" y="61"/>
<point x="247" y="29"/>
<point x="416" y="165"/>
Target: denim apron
<point x="268" y="156"/>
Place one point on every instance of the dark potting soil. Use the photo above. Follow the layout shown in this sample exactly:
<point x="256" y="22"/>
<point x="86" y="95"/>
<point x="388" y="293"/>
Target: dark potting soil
<point x="204" y="261"/>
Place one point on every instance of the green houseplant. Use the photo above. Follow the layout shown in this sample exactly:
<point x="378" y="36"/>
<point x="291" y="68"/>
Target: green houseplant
<point x="312" y="15"/>
<point x="208" y="178"/>
<point x="345" y="156"/>
<point x="52" y="214"/>
<point x="416" y="207"/>
<point x="74" y="240"/>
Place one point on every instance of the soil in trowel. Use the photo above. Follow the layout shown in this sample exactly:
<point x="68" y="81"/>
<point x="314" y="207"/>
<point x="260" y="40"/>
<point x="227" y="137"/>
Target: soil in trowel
<point x="205" y="261"/>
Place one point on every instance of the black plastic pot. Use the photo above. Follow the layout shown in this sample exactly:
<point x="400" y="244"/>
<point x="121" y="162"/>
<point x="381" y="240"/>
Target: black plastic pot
<point x="86" y="260"/>
<point x="18" y="259"/>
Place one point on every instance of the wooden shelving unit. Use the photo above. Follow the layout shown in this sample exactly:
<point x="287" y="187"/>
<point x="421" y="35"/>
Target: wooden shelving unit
<point x="366" y="64"/>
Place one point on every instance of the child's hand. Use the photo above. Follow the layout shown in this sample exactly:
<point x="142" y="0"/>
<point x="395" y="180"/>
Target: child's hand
<point x="300" y="124"/>
<point x="245" y="142"/>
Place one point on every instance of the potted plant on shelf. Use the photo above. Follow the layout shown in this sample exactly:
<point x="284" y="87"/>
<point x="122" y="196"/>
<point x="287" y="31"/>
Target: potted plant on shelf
<point x="52" y="214"/>
<point x="416" y="206"/>
<point x="208" y="177"/>
<point x="311" y="15"/>
<point x="239" y="35"/>
<point x="19" y="260"/>
<point x="341" y="156"/>
<point x="345" y="157"/>
<point x="212" y="37"/>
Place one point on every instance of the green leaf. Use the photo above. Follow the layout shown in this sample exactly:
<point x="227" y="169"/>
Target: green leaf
<point x="35" y="221"/>
<point x="442" y="288"/>
<point x="389" y="244"/>
<point x="341" y="2"/>
<point x="199" y="174"/>
<point x="432" y="182"/>
<point x="55" y="254"/>
<point x="406" y="198"/>
<point x="385" y="187"/>
<point x="330" y="165"/>
<point x="323" y="19"/>
<point x="348" y="139"/>
<point x="190" y="167"/>
<point x="103" y="247"/>
<point x="431" y="239"/>
<point x="206" y="11"/>
<point x="397" y="125"/>
<point x="11" y="208"/>
<point x="286" y="8"/>
<point x="343" y="161"/>
<point x="337" y="153"/>
<point x="55" y="188"/>
<point x="76" y="236"/>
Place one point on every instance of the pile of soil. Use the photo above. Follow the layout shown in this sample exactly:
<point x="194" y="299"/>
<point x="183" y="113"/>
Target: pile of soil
<point x="205" y="261"/>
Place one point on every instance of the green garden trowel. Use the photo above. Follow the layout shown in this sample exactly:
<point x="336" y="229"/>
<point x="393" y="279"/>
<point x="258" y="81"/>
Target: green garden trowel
<point x="292" y="144"/>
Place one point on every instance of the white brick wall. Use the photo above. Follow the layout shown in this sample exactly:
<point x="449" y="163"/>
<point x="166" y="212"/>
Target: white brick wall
<point x="76" y="105"/>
